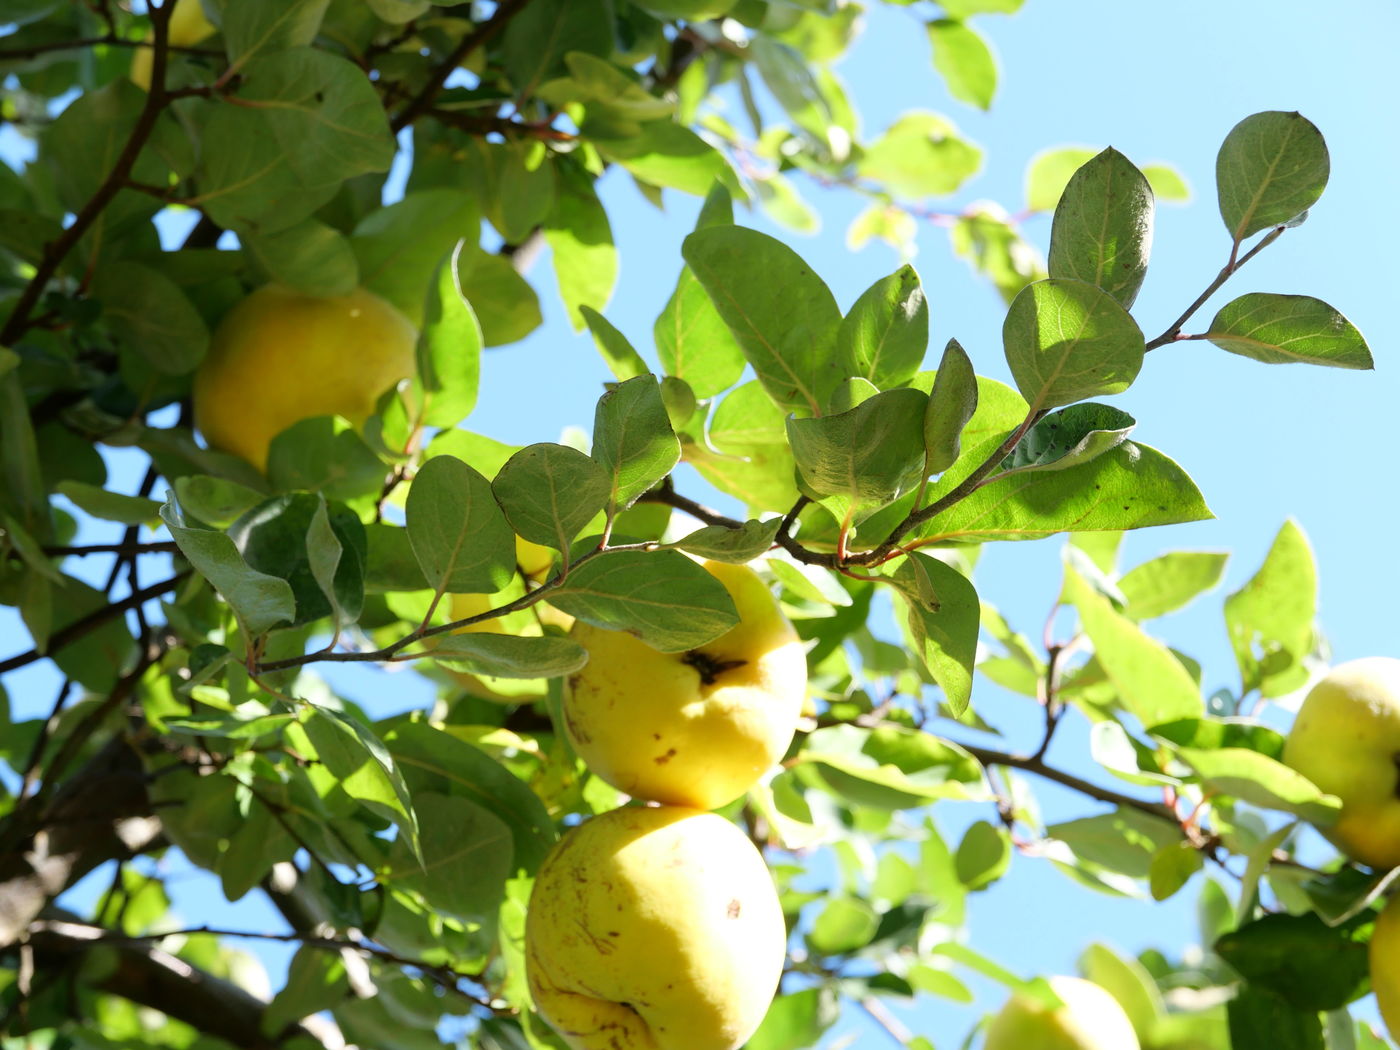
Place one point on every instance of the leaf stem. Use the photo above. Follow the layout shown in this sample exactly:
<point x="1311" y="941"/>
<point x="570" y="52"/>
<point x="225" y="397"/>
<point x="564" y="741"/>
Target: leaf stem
<point x="1231" y="267"/>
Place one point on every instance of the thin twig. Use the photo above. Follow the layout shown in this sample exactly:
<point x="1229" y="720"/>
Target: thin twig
<point x="481" y="35"/>
<point x="1173" y="330"/>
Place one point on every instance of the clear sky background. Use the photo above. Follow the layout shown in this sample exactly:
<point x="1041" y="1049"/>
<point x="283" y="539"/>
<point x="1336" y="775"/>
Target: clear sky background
<point x="1161" y="82"/>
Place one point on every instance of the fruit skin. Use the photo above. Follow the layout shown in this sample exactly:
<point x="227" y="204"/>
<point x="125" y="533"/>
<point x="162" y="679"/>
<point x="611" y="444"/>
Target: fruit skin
<point x="1346" y="740"/>
<point x="1385" y="965"/>
<point x="279" y="357"/>
<point x="654" y="928"/>
<point x="697" y="728"/>
<point x="1090" y="1019"/>
<point x="188" y="26"/>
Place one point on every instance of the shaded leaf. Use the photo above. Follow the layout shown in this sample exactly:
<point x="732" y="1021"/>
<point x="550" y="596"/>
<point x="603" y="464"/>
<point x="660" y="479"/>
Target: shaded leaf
<point x="1102" y="232"/>
<point x="1271" y="168"/>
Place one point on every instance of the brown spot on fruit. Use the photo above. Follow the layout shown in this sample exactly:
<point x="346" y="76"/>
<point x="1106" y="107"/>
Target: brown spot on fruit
<point x="661" y="760"/>
<point x="734" y="908"/>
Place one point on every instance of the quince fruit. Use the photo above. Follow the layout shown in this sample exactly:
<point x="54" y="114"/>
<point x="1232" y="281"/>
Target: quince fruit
<point x="654" y="928"/>
<point x="1346" y="740"/>
<point x="1385" y="965"/>
<point x="188" y="27"/>
<point x="697" y="728"/>
<point x="1090" y="1019"/>
<point x="279" y="357"/>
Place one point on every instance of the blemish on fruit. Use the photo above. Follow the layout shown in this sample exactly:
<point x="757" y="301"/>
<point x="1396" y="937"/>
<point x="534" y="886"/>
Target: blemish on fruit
<point x="661" y="760"/>
<point x="707" y="667"/>
<point x="734" y="908"/>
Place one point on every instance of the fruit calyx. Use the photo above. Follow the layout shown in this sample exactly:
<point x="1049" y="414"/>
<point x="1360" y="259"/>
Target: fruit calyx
<point x="708" y="667"/>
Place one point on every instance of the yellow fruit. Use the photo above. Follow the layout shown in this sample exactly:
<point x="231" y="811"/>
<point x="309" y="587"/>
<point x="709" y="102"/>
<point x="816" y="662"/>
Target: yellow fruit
<point x="280" y="357"/>
<point x="188" y="26"/>
<point x="654" y="928"/>
<point x="1090" y="1019"/>
<point x="1346" y="740"/>
<point x="696" y="728"/>
<point x="1385" y="965"/>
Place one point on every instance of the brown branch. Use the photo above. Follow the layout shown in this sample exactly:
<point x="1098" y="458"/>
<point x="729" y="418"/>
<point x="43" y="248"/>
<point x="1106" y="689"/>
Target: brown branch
<point x="162" y="981"/>
<point x="15" y="54"/>
<point x="481" y="35"/>
<point x="1173" y="330"/>
<point x="56" y="250"/>
<point x="130" y="549"/>
<point x="87" y="624"/>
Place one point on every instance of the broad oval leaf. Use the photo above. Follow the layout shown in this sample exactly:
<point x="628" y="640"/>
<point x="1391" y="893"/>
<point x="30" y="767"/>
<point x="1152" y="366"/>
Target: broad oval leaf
<point x="1271" y="168"/>
<point x="662" y="597"/>
<point x="1066" y="341"/>
<point x="632" y="439"/>
<point x="943" y="619"/>
<point x="1102" y="231"/>
<point x="951" y="405"/>
<point x="864" y="458"/>
<point x="963" y="59"/>
<point x="459" y="535"/>
<point x="1270" y="618"/>
<point x="1069" y="437"/>
<point x="783" y="315"/>
<point x="1288" y="329"/>
<point x="884" y="336"/>
<point x="721" y="543"/>
<point x="449" y="349"/>
<point x="549" y="492"/>
<point x="508" y="655"/>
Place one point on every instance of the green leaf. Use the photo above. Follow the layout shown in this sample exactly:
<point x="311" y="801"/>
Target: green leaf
<point x="1170" y="581"/>
<point x="1129" y="487"/>
<point x="1271" y="168"/>
<point x="1270" y="618"/>
<point x="621" y="358"/>
<point x="1049" y="173"/>
<point x="324" y="553"/>
<point x="322" y="454"/>
<point x="400" y="247"/>
<point x="1167" y="183"/>
<point x="887" y="768"/>
<point x="216" y="501"/>
<point x="466" y="859"/>
<point x="310" y="257"/>
<point x="514" y="183"/>
<point x="434" y="760"/>
<point x="963" y="59"/>
<point x="272" y="538"/>
<point x="721" y="543"/>
<point x="253" y="27"/>
<point x="843" y="925"/>
<point x="663" y="153"/>
<point x="449" y="349"/>
<point x="306" y="121"/>
<point x="459" y="535"/>
<point x="364" y="769"/>
<point x="151" y="317"/>
<point x="261" y="602"/>
<point x="884" y="337"/>
<point x="862" y="459"/>
<point x="109" y="506"/>
<point x="581" y="245"/>
<point x="1102" y="232"/>
<point x="597" y="80"/>
<point x="788" y="75"/>
<point x="994" y="247"/>
<point x="1260" y="781"/>
<point x="783" y="315"/>
<point x="1299" y="957"/>
<point x="1261" y="1020"/>
<point x="1069" y="437"/>
<point x="315" y="981"/>
<point x="505" y="305"/>
<point x="1067" y="340"/>
<point x="1123" y="841"/>
<point x="983" y="855"/>
<point x="693" y="341"/>
<point x="549" y="492"/>
<point x="781" y="202"/>
<point x="1172" y="866"/>
<point x="920" y="155"/>
<point x="536" y="39"/>
<point x="509" y="656"/>
<point x="1288" y="329"/>
<point x="795" y="1020"/>
<point x="662" y="597"/>
<point x="1148" y="679"/>
<point x="632" y="440"/>
<point x="942" y="617"/>
<point x="964" y="8"/>
<point x="951" y="405"/>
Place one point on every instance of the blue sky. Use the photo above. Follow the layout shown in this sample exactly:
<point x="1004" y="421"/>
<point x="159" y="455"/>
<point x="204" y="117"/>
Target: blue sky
<point x="1161" y="82"/>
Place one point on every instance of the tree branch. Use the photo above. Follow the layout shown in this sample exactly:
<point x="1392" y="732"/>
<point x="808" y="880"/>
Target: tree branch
<point x="482" y="34"/>
<point x="87" y="624"/>
<point x="56" y="250"/>
<point x="1173" y="330"/>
